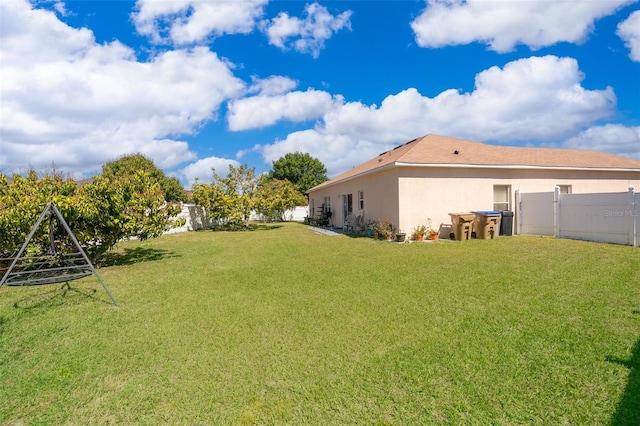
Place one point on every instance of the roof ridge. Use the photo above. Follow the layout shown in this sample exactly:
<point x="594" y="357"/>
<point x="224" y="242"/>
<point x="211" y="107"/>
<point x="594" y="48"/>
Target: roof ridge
<point x="440" y="150"/>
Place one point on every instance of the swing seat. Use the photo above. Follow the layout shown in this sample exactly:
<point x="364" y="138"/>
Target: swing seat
<point x="31" y="278"/>
<point x="41" y="270"/>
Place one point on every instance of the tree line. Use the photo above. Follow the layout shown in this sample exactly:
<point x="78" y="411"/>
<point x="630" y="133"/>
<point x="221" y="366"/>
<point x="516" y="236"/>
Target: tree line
<point x="232" y="199"/>
<point x="134" y="198"/>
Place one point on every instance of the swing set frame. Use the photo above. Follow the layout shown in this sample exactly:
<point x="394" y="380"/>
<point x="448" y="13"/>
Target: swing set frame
<point x="52" y="268"/>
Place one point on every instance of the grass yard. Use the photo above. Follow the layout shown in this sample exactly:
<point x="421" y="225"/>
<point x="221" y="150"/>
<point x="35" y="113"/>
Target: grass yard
<point x="284" y="326"/>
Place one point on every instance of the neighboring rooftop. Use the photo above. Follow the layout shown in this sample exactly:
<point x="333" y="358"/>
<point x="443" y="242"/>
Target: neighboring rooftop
<point x="442" y="150"/>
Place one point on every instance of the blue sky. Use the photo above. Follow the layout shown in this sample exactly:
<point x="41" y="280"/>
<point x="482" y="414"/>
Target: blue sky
<point x="201" y="84"/>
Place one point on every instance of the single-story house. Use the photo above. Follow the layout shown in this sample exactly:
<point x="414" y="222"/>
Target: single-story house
<point x="432" y="176"/>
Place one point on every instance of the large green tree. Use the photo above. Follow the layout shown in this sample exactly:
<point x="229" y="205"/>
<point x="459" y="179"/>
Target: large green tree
<point x="101" y="212"/>
<point x="130" y="164"/>
<point x="22" y="200"/>
<point x="301" y="169"/>
<point x="117" y="207"/>
<point x="229" y="199"/>
<point x="276" y="196"/>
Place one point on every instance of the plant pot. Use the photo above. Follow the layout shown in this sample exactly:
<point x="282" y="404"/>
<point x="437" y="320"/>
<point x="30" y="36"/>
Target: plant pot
<point x="419" y="237"/>
<point x="400" y="237"/>
<point x="370" y="232"/>
<point x="433" y="236"/>
<point x="375" y="234"/>
<point x="387" y="237"/>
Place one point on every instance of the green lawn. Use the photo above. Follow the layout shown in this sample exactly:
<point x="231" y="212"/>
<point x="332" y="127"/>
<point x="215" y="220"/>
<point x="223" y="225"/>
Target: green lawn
<point x="284" y="326"/>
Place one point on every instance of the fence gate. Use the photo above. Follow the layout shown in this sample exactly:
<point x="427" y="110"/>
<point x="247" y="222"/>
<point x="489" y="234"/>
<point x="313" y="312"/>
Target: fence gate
<point x="536" y="213"/>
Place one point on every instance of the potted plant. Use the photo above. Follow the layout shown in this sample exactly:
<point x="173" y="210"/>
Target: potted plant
<point x="372" y="229"/>
<point x="386" y="229"/>
<point x="400" y="237"/>
<point x="419" y="232"/>
<point x="432" y="233"/>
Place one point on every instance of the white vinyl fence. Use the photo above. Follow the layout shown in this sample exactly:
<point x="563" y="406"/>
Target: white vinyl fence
<point x="603" y="217"/>
<point x="197" y="217"/>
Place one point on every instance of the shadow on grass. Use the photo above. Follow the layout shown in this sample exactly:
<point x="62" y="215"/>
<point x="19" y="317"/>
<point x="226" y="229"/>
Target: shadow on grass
<point x="56" y="297"/>
<point x="135" y="255"/>
<point x="628" y="410"/>
<point x="265" y="226"/>
<point x="355" y="235"/>
<point x="241" y="228"/>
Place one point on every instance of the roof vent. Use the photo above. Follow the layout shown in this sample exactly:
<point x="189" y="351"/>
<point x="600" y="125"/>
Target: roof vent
<point x="456" y="152"/>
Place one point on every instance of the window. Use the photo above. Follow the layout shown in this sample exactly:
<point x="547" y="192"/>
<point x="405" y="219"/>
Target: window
<point x="565" y="189"/>
<point x="501" y="197"/>
<point x="326" y="204"/>
<point x="361" y="200"/>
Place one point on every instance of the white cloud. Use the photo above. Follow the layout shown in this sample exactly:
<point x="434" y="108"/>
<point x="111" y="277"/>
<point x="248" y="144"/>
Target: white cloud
<point x="60" y="7"/>
<point x="68" y="100"/>
<point x="273" y="85"/>
<point x="504" y="24"/>
<point x="261" y="111"/>
<point x="191" y="21"/>
<point x="629" y="31"/>
<point x="243" y="152"/>
<point x="35" y="36"/>
<point x="338" y="152"/>
<point x="529" y="99"/>
<point x="535" y="99"/>
<point x="309" y="34"/>
<point x="167" y="153"/>
<point x="201" y="169"/>
<point x="612" y="138"/>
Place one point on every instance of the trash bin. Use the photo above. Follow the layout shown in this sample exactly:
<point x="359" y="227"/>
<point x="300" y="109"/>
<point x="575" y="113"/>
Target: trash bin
<point x="487" y="225"/>
<point x="506" y="222"/>
<point x="462" y="224"/>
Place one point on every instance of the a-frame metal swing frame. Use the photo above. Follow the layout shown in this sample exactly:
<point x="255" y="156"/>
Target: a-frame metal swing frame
<point x="51" y="275"/>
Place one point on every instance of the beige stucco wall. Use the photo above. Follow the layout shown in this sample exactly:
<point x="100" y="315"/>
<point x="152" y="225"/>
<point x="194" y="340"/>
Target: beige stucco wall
<point x="436" y="192"/>
<point x="380" y="197"/>
<point x="408" y="196"/>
